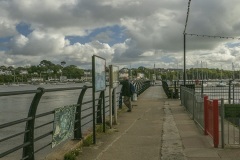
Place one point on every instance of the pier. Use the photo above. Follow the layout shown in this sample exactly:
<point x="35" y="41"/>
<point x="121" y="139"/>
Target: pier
<point x="158" y="128"/>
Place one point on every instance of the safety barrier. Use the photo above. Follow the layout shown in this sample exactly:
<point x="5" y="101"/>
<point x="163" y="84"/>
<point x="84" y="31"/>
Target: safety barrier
<point x="193" y="102"/>
<point x="30" y="139"/>
<point x="211" y="116"/>
<point x="33" y="137"/>
<point x="229" y="114"/>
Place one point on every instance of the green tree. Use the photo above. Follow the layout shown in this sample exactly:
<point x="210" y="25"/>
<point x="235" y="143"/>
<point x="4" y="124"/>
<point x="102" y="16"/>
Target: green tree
<point x="73" y="72"/>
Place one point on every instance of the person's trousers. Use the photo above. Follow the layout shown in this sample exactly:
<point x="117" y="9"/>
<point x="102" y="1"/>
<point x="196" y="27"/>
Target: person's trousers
<point x="127" y="102"/>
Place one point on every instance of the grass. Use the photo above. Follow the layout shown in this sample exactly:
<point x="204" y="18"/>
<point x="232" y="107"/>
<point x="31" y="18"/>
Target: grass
<point x="72" y="154"/>
<point x="88" y="141"/>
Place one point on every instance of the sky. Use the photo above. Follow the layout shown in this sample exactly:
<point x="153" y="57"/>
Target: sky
<point x="127" y="33"/>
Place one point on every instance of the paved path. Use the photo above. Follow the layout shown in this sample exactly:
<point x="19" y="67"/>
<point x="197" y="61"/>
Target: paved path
<point x="157" y="129"/>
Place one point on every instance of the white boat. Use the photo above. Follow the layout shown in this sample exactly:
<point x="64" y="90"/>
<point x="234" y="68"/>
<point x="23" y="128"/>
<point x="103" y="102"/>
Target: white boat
<point x="205" y="84"/>
<point x="221" y="84"/>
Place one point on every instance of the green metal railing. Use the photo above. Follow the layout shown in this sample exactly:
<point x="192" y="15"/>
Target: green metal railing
<point x="29" y="140"/>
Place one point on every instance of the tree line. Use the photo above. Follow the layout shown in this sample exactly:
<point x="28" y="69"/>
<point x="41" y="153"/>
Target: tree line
<point x="201" y="74"/>
<point x="45" y="69"/>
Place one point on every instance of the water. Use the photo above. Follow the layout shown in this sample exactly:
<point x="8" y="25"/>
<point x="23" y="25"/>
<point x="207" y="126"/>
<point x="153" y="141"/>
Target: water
<point x="16" y="107"/>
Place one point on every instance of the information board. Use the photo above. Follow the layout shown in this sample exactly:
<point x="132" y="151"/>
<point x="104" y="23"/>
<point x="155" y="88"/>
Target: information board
<point x="63" y="126"/>
<point x="114" y="76"/>
<point x="99" y="73"/>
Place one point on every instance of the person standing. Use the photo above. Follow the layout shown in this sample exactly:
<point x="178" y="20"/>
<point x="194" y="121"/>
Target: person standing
<point x="126" y="93"/>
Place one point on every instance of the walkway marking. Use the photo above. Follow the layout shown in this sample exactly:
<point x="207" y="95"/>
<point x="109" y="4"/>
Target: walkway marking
<point x="101" y="153"/>
<point x="172" y="147"/>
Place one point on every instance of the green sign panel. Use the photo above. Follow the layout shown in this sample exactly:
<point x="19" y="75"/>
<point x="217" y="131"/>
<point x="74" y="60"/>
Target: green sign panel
<point x="232" y="110"/>
<point x="63" y="124"/>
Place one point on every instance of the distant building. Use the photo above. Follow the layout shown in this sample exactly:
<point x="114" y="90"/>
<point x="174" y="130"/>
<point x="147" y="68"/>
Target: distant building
<point x="87" y="76"/>
<point x="5" y="72"/>
<point x="37" y="79"/>
<point x="23" y="72"/>
<point x="140" y="75"/>
<point x="2" y="72"/>
<point x="50" y="71"/>
<point x="63" y="78"/>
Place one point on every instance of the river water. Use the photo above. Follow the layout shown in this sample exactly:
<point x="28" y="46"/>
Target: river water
<point x="16" y="107"/>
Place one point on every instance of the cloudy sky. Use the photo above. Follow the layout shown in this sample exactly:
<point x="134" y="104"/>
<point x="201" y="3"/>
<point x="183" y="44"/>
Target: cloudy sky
<point x="124" y="32"/>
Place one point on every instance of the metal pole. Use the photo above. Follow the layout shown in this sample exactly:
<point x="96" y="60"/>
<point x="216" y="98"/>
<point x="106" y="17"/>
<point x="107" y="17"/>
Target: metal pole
<point x="104" y="116"/>
<point x="115" y="105"/>
<point x="28" y="150"/>
<point x="184" y="59"/>
<point x="93" y="98"/>
<point x="222" y="121"/>
<point x="110" y="106"/>
<point x="78" y="118"/>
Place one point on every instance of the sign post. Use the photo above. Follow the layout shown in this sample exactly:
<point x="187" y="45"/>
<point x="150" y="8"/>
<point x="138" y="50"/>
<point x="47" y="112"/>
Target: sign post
<point x="114" y="82"/>
<point x="99" y="84"/>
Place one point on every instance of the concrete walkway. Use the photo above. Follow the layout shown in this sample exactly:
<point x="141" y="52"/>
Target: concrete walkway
<point x="157" y="129"/>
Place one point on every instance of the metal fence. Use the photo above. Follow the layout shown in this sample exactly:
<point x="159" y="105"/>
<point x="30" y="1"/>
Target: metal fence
<point x="26" y="137"/>
<point x="193" y="102"/>
<point x="215" y="89"/>
<point x="230" y="124"/>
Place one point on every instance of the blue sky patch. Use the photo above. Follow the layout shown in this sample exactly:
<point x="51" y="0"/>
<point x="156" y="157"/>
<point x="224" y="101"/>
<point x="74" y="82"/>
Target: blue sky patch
<point x="167" y="59"/>
<point x="23" y="29"/>
<point x="111" y="35"/>
<point x="5" y="39"/>
<point x="3" y="43"/>
<point x="232" y="45"/>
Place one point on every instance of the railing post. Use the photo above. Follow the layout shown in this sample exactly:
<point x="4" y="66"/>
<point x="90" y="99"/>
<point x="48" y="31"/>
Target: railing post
<point x="233" y="90"/>
<point x="181" y="95"/>
<point x="110" y="107"/>
<point x="78" y="117"/>
<point x="104" y="116"/>
<point x="115" y="105"/>
<point x="28" y="151"/>
<point x="229" y="92"/>
<point x="215" y="123"/>
<point x="99" y="108"/>
<point x="175" y="86"/>
<point x="194" y="103"/>
<point x="205" y="114"/>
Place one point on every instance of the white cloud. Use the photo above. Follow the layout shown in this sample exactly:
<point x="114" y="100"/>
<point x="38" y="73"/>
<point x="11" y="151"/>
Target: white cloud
<point x="7" y="27"/>
<point x="153" y="31"/>
<point x="37" y="43"/>
<point x="148" y="53"/>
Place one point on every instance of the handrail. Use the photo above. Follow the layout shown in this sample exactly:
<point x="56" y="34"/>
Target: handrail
<point x="29" y="141"/>
<point x="15" y="122"/>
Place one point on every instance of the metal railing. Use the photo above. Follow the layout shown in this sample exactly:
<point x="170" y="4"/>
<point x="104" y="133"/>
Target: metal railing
<point x="193" y="102"/>
<point x="229" y="90"/>
<point x="30" y="137"/>
<point x="26" y="137"/>
<point x="230" y="125"/>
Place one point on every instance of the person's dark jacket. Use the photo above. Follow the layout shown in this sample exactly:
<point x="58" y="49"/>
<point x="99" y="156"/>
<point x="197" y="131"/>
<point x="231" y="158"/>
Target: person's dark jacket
<point x="126" y="91"/>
